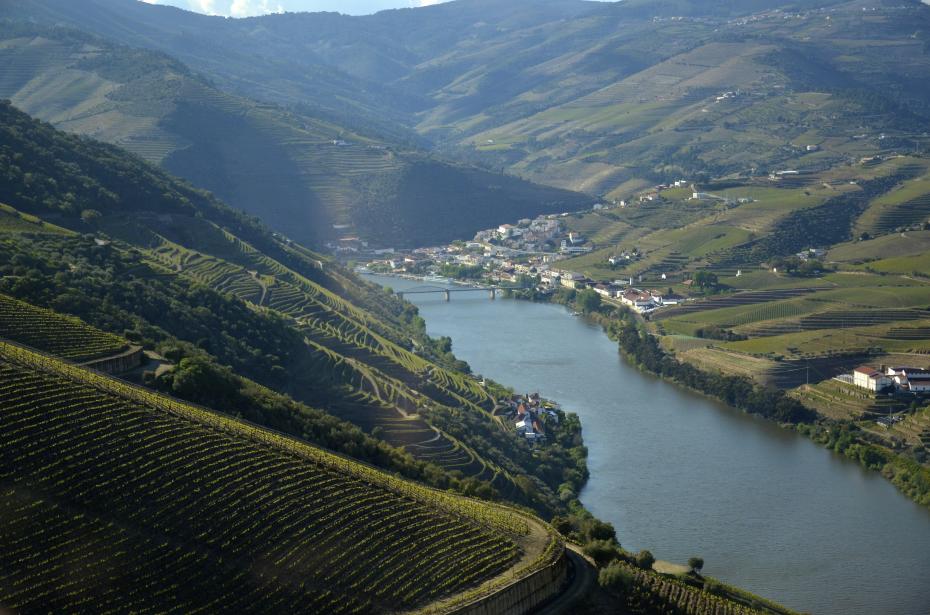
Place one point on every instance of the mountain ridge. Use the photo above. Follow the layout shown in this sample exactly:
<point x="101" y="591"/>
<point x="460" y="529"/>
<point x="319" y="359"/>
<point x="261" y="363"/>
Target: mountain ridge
<point x="315" y="180"/>
<point x="602" y="98"/>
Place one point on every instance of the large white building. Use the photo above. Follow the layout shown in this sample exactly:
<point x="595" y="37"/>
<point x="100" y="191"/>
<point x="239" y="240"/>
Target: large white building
<point x="870" y="378"/>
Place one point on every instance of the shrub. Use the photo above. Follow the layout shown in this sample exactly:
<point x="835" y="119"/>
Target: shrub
<point x="645" y="559"/>
<point x="617" y="578"/>
<point x="603" y="552"/>
<point x="713" y="587"/>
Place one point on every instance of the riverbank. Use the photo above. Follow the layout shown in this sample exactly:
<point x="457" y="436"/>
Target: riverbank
<point x="683" y="476"/>
<point x="640" y="348"/>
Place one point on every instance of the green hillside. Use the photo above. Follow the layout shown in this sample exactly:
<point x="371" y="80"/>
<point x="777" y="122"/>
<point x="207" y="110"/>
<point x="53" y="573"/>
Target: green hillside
<point x="311" y="178"/>
<point x="600" y="97"/>
<point x="124" y="500"/>
<point x="227" y="300"/>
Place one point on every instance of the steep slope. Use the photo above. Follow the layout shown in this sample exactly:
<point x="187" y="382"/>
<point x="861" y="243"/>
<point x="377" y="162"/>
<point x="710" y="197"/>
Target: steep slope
<point x="64" y="337"/>
<point x="315" y="180"/>
<point x="120" y="499"/>
<point x="192" y="278"/>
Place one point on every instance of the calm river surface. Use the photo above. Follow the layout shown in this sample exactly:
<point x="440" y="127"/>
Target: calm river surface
<point x="680" y="475"/>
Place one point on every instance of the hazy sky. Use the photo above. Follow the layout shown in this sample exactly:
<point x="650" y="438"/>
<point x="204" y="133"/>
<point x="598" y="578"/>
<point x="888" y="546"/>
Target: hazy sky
<point x="246" y="8"/>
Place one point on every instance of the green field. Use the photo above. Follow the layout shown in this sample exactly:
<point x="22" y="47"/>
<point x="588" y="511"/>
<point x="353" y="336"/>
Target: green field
<point x="101" y="481"/>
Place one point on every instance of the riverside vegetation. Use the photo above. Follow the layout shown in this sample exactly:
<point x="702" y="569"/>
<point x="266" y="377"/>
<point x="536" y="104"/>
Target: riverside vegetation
<point x="642" y="348"/>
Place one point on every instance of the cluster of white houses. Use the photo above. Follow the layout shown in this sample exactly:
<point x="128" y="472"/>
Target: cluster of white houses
<point x="640" y="300"/>
<point x="909" y="379"/>
<point x="530" y="415"/>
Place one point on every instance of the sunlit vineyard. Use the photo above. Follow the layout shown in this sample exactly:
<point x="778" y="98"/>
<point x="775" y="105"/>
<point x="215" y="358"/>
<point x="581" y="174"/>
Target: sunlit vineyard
<point x="119" y="498"/>
<point x="60" y="335"/>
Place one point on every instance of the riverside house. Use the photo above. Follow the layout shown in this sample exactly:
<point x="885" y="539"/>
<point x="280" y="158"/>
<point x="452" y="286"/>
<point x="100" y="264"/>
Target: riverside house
<point x="639" y="300"/>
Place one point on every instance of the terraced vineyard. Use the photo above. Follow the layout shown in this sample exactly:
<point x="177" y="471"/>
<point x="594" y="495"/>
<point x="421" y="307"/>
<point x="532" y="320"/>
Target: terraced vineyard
<point x="60" y="335"/>
<point x="380" y="384"/>
<point x="121" y="500"/>
<point x="840" y="400"/>
<point x="13" y="221"/>
<point x="834" y="319"/>
<point x="914" y="429"/>
<point x="746" y="298"/>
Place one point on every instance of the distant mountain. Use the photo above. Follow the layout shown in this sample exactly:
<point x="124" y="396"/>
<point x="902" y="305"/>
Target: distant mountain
<point x="600" y="97"/>
<point x="310" y="178"/>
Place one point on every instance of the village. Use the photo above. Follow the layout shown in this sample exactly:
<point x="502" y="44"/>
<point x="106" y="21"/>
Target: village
<point x="523" y="255"/>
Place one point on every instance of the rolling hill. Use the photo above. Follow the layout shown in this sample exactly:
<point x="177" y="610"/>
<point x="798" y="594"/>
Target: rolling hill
<point x="311" y="178"/>
<point x="600" y="97"/>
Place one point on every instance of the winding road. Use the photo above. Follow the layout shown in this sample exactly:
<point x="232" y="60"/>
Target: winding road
<point x="582" y="577"/>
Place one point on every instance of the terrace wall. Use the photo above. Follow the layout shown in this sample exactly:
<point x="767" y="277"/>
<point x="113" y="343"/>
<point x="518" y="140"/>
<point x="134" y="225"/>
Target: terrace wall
<point x="524" y="595"/>
<point x="117" y="364"/>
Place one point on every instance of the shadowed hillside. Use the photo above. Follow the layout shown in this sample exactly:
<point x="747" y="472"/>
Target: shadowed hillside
<point x="247" y="316"/>
<point x="313" y="179"/>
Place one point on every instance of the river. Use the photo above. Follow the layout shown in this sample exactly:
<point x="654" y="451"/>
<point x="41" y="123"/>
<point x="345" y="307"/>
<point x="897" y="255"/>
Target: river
<point x="682" y="476"/>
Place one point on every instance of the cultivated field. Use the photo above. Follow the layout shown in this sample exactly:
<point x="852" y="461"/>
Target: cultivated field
<point x="63" y="336"/>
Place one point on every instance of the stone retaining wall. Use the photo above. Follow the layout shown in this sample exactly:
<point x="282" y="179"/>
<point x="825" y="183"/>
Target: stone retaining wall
<point x="521" y="597"/>
<point x="117" y="364"/>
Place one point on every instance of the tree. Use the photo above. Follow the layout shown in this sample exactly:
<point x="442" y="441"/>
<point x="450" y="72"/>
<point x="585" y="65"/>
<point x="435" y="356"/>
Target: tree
<point x="595" y="529"/>
<point x="695" y="564"/>
<point x="90" y="216"/>
<point x="602" y="552"/>
<point x="562" y="524"/>
<point x="645" y="559"/>
<point x="705" y="279"/>
<point x="588" y="300"/>
<point x="616" y="577"/>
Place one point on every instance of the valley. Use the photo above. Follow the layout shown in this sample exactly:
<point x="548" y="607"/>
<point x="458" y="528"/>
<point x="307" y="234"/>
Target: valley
<point x="275" y="292"/>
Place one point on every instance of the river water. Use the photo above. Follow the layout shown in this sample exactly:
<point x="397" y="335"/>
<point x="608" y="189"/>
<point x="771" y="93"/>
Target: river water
<point x="683" y="476"/>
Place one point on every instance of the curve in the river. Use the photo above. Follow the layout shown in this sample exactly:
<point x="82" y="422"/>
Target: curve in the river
<point x="681" y="475"/>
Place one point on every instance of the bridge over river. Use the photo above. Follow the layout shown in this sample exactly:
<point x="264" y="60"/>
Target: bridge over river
<point x="447" y="292"/>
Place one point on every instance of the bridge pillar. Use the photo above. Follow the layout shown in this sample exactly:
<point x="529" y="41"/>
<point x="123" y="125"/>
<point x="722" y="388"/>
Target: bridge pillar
<point x="493" y="294"/>
<point x="447" y="294"/>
